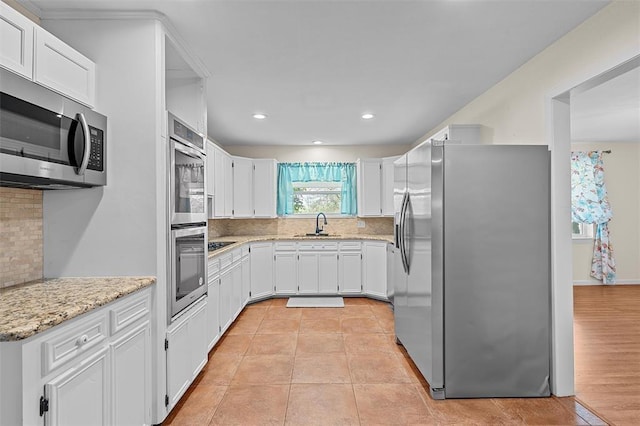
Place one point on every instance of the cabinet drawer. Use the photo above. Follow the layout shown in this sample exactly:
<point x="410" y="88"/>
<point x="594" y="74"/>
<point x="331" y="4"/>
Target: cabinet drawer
<point x="213" y="268"/>
<point x="318" y="245"/>
<point x="245" y="250"/>
<point x="127" y="313"/>
<point x="71" y="343"/>
<point x="285" y="246"/>
<point x="225" y="261"/>
<point x="350" y="246"/>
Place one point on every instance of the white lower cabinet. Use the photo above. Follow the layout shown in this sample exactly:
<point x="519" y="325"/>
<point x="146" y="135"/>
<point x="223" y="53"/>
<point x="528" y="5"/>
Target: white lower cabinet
<point x="261" y="255"/>
<point x="131" y="376"/>
<point x="374" y="268"/>
<point x="80" y="395"/>
<point x="246" y="275"/>
<point x="285" y="272"/>
<point x="91" y="370"/>
<point x="213" y="302"/>
<point x="350" y="268"/>
<point x="236" y="283"/>
<point x="328" y="273"/>
<point x="186" y="348"/>
<point x="308" y="273"/>
<point x="225" y="311"/>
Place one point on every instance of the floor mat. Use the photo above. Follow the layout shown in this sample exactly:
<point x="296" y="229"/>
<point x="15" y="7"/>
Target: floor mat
<point x="315" y="302"/>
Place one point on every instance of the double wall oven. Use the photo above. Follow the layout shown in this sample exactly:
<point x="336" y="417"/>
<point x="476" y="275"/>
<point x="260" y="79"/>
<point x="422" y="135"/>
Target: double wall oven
<point x="188" y="216"/>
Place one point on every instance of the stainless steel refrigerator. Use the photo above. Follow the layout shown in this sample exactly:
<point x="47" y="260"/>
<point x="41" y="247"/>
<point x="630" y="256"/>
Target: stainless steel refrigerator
<point x="472" y="300"/>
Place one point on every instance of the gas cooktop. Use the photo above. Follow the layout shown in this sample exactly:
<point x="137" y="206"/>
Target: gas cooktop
<point x="215" y="245"/>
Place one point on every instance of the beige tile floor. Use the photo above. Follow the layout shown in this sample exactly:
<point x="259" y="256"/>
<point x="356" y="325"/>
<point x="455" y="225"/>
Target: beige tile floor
<point x="336" y="366"/>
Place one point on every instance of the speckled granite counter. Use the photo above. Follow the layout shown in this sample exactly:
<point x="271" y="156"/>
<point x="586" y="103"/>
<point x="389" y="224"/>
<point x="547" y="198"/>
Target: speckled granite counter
<point x="241" y="239"/>
<point x="28" y="309"/>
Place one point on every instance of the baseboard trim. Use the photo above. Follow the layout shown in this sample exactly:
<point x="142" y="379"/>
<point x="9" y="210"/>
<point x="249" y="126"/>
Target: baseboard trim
<point x="618" y="282"/>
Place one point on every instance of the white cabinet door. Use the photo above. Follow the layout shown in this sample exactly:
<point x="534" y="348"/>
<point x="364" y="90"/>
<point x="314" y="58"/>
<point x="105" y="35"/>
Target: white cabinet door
<point x="63" y="69"/>
<point x="285" y="273"/>
<point x="386" y="197"/>
<point x="375" y="268"/>
<point x="307" y="273"/>
<point x="246" y="279"/>
<point x="369" y="181"/>
<point x="228" y="184"/>
<point x="218" y="182"/>
<point x="178" y="361"/>
<point x="16" y="48"/>
<point x="242" y="187"/>
<point x="350" y="272"/>
<point x="131" y="388"/>
<point x="226" y="300"/>
<point x="261" y="270"/>
<point x="264" y="187"/>
<point x="236" y="295"/>
<point x="328" y="273"/>
<point x="198" y="339"/>
<point x="213" y="305"/>
<point x="211" y="166"/>
<point x="80" y="396"/>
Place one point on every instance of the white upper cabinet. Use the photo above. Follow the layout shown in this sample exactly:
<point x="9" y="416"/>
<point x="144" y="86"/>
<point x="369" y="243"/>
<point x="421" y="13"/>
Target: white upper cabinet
<point x="34" y="53"/>
<point x="16" y="41"/>
<point x="63" y="69"/>
<point x="264" y="187"/>
<point x="220" y="190"/>
<point x="369" y="172"/>
<point x="211" y="179"/>
<point x="375" y="186"/>
<point x="242" y="187"/>
<point x="386" y="197"/>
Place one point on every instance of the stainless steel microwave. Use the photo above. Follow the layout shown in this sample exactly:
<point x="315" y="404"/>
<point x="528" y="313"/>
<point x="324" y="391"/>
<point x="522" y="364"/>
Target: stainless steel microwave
<point x="48" y="141"/>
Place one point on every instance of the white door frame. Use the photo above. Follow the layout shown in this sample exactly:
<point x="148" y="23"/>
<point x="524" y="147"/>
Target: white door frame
<point x="559" y="137"/>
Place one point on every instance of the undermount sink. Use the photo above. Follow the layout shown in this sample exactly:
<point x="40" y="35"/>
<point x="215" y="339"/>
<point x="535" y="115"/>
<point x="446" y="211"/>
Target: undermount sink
<point x="321" y="234"/>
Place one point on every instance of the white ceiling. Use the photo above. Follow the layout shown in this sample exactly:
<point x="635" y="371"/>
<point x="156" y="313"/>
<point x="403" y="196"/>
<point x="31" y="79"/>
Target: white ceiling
<point x="315" y="66"/>
<point x="609" y="112"/>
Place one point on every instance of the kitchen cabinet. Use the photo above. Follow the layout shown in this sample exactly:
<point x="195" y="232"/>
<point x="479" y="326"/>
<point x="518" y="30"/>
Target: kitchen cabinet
<point x="186" y="348"/>
<point x="92" y="369"/>
<point x="317" y="267"/>
<point x="210" y="174"/>
<point x="386" y="197"/>
<point x="246" y="275"/>
<point x="222" y="183"/>
<point x="375" y="186"/>
<point x="213" y="302"/>
<point x="16" y="49"/>
<point x="286" y="270"/>
<point x="81" y="394"/>
<point x="265" y="172"/>
<point x="369" y="178"/>
<point x="236" y="283"/>
<point x="38" y="55"/>
<point x="350" y="267"/>
<point x="63" y="69"/>
<point x="374" y="267"/>
<point x="262" y="264"/>
<point x="242" y="187"/>
<point x="226" y="307"/>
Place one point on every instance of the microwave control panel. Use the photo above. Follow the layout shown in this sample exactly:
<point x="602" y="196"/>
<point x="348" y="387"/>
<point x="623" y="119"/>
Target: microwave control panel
<point x="96" y="154"/>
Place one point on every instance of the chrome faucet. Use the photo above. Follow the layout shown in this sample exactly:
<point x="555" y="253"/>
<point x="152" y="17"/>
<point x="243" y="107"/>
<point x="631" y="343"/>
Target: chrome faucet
<point x="318" y="229"/>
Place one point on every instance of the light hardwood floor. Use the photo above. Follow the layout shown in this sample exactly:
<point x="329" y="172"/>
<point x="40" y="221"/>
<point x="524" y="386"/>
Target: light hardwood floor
<point x="607" y="351"/>
<point x="323" y="366"/>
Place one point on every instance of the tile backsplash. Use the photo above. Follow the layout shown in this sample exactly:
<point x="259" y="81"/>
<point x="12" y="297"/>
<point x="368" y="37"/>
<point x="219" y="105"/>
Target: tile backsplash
<point x="21" y="230"/>
<point x="292" y="226"/>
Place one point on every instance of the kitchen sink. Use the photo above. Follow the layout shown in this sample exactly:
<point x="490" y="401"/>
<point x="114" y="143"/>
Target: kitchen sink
<point x="311" y="234"/>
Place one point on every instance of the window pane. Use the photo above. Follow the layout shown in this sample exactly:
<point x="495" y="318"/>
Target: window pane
<point x="576" y="227"/>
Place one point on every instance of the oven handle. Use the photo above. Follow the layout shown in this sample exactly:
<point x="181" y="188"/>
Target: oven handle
<point x="87" y="144"/>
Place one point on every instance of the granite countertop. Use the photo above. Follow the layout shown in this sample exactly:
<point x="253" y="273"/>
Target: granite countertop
<point x="241" y="239"/>
<point x="31" y="308"/>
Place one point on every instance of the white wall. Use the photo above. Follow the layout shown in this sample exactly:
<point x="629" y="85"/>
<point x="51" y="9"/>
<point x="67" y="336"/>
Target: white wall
<point x="111" y="230"/>
<point x="622" y="178"/>
<point x="327" y="153"/>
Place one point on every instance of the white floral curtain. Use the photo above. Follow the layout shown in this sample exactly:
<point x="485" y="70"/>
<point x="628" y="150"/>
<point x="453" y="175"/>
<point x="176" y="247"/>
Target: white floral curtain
<point x="590" y="205"/>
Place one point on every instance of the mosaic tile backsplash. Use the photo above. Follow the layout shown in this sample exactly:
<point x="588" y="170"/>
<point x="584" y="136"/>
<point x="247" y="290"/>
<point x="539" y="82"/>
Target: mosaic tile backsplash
<point x="21" y="236"/>
<point x="292" y="226"/>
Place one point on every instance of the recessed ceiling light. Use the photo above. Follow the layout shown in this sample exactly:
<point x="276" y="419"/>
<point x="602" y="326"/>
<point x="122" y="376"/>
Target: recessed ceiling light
<point x="317" y="142"/>
<point x="367" y="116"/>
<point x="259" y="116"/>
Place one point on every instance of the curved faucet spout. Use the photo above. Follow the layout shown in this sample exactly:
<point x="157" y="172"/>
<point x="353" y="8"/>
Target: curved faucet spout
<point x="318" y="228"/>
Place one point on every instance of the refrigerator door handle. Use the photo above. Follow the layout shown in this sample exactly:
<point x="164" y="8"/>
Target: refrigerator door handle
<point x="401" y="234"/>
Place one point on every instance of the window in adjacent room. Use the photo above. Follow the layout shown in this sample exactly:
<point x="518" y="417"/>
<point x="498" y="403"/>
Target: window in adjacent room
<point x="582" y="230"/>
